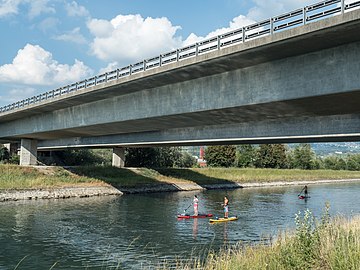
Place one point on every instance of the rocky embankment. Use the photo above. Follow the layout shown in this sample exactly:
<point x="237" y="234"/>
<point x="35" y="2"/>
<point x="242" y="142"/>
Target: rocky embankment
<point x="58" y="193"/>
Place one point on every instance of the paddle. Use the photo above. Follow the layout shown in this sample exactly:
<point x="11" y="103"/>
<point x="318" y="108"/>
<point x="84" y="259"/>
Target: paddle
<point x="187" y="208"/>
<point x="301" y="191"/>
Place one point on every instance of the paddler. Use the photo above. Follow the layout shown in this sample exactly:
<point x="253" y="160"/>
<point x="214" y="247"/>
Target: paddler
<point x="226" y="207"/>
<point x="196" y="205"/>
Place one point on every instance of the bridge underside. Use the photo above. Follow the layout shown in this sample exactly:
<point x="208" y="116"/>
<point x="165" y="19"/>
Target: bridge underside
<point x="285" y="130"/>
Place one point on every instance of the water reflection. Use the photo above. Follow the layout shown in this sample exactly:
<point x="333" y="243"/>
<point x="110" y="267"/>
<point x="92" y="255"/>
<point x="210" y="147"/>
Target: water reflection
<point x="138" y="231"/>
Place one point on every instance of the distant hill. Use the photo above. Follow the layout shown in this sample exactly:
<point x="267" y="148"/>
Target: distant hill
<point x="339" y="148"/>
<point x="321" y="149"/>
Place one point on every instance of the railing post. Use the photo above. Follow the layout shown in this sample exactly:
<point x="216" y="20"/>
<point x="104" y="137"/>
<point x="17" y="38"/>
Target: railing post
<point x="218" y="42"/>
<point x="243" y="34"/>
<point x="144" y="63"/>
<point x="160" y="60"/>
<point x="197" y="49"/>
<point x="342" y="6"/>
<point x="117" y="73"/>
<point x="130" y="69"/>
<point x="304" y="15"/>
<point x="177" y="55"/>
<point x="271" y="26"/>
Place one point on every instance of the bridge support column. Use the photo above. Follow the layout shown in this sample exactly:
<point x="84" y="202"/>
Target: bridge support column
<point x="118" y="157"/>
<point x="28" y="152"/>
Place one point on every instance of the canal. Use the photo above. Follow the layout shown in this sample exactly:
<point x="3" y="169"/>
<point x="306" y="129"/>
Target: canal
<point x="142" y="231"/>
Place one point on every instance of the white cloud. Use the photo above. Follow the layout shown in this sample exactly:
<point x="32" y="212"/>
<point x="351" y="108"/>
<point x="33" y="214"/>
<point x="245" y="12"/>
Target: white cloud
<point x="236" y="23"/>
<point x="132" y="38"/>
<point x="72" y="36"/>
<point x="73" y="9"/>
<point x="9" y="7"/>
<point x="35" y="66"/>
<point x="36" y="7"/>
<point x="110" y="67"/>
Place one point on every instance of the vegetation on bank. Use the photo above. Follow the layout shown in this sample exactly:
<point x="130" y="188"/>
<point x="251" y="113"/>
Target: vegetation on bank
<point x="16" y="177"/>
<point x="316" y="244"/>
<point x="278" y="156"/>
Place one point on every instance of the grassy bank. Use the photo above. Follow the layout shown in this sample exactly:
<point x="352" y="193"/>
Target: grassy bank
<point x="253" y="175"/>
<point x="16" y="177"/>
<point x="325" y="245"/>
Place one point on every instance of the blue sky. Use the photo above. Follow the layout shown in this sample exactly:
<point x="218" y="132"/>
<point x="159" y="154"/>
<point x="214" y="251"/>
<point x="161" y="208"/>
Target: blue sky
<point x="46" y="44"/>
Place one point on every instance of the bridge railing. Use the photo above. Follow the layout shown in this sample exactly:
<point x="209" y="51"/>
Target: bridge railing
<point x="270" y="26"/>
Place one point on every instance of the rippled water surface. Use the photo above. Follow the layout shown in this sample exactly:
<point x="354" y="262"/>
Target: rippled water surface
<point x="140" y="231"/>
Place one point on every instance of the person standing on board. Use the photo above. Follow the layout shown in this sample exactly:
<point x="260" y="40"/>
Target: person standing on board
<point x="196" y="205"/>
<point x="305" y="191"/>
<point x="226" y="207"/>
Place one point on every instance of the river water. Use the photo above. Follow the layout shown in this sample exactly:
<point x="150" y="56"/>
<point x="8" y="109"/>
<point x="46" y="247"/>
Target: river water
<point x="142" y="231"/>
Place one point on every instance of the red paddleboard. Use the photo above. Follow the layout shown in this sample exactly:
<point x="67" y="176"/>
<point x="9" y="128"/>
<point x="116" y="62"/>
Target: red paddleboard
<point x="198" y="216"/>
<point x="303" y="197"/>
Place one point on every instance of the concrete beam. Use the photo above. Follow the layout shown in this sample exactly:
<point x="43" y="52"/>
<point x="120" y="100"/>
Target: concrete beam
<point x="118" y="157"/>
<point x="286" y="130"/>
<point x="28" y="152"/>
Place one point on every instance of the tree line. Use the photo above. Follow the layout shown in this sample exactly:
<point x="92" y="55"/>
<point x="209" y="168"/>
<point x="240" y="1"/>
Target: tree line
<point x="277" y="156"/>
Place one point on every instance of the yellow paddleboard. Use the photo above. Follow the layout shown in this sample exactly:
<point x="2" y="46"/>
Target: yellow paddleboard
<point x="213" y="220"/>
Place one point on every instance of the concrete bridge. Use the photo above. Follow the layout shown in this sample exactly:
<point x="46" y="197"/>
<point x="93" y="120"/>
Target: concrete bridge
<point x="291" y="78"/>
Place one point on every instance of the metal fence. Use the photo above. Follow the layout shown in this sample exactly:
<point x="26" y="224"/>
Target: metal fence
<point x="270" y="26"/>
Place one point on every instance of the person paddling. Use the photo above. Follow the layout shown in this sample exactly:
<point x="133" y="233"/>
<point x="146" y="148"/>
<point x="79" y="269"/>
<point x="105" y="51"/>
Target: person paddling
<point x="196" y="205"/>
<point x="226" y="207"/>
<point x="305" y="192"/>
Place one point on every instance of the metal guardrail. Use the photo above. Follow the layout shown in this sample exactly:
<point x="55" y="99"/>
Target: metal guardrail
<point x="267" y="27"/>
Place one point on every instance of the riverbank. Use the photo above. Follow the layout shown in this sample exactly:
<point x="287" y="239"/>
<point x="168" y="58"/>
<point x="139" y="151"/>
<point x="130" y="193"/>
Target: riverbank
<point x="39" y="182"/>
<point x="324" y="244"/>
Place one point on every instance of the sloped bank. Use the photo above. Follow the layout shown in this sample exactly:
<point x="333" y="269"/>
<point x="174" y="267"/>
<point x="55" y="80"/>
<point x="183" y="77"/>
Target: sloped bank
<point x="31" y="183"/>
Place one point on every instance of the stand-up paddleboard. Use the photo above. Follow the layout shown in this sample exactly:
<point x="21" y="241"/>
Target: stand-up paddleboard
<point x="301" y="197"/>
<point x="214" y="220"/>
<point x="198" y="216"/>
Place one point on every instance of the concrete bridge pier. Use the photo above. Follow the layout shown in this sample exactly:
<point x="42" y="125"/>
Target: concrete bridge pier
<point x="28" y="152"/>
<point x="118" y="157"/>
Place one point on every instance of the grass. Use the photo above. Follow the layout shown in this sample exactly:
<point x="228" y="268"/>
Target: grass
<point x="246" y="175"/>
<point x="314" y="245"/>
<point x="16" y="177"/>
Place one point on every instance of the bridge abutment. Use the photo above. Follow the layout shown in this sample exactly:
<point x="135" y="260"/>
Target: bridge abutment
<point x="28" y="152"/>
<point x="118" y="157"/>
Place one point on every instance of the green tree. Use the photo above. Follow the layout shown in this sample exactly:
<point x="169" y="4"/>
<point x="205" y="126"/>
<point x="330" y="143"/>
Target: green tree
<point x="334" y="163"/>
<point x="303" y="157"/>
<point x="4" y="154"/>
<point x="75" y="157"/>
<point x="353" y="162"/>
<point x="271" y="156"/>
<point x="156" y="157"/>
<point x="245" y="155"/>
<point x="220" y="155"/>
<point x="185" y="161"/>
